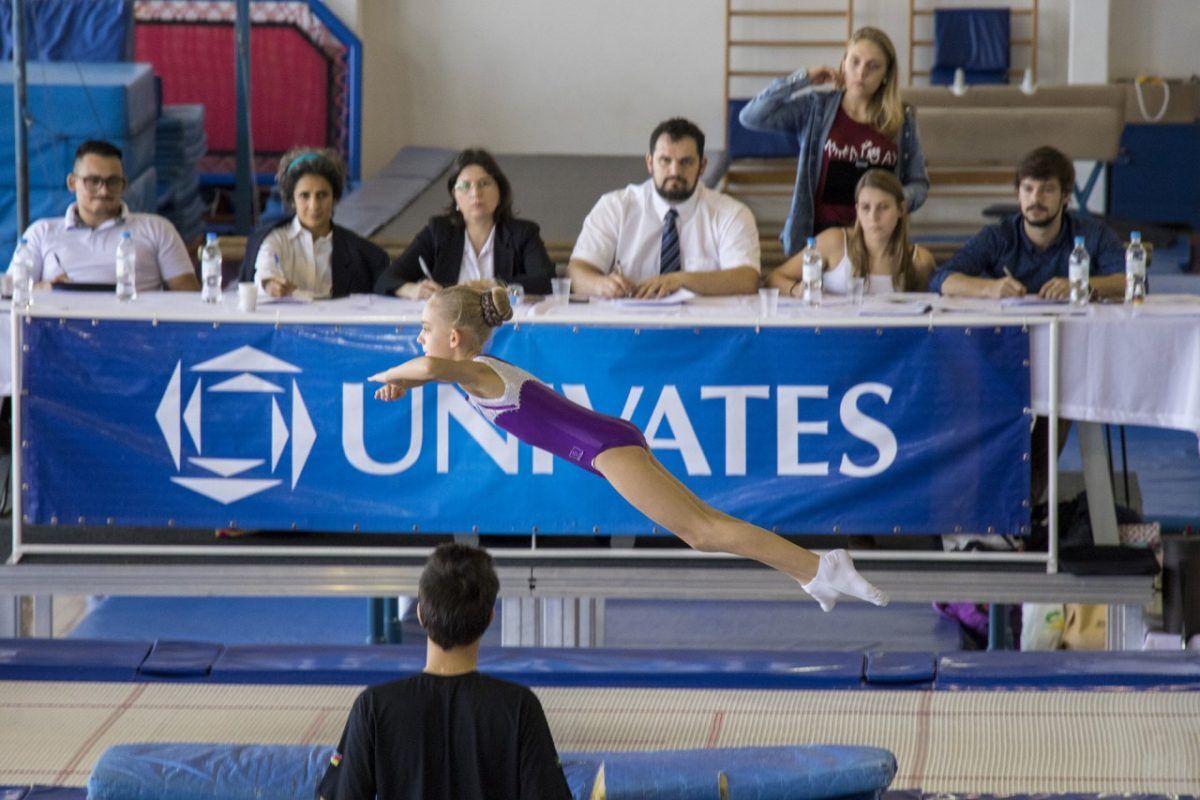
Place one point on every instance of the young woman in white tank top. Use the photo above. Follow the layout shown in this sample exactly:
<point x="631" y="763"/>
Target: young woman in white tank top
<point x="878" y="242"/>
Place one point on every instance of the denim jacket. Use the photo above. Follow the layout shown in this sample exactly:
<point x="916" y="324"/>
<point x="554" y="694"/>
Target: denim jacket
<point x="790" y="104"/>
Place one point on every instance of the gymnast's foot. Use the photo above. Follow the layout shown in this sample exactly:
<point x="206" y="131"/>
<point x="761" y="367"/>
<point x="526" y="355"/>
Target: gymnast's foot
<point x="837" y="578"/>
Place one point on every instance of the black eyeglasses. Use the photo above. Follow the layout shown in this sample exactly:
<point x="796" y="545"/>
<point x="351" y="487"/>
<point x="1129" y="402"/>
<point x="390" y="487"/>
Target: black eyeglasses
<point x="115" y="183"/>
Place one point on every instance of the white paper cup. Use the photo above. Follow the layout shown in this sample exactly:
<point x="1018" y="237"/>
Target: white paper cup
<point x="247" y="296"/>
<point x="561" y="288"/>
<point x="768" y="302"/>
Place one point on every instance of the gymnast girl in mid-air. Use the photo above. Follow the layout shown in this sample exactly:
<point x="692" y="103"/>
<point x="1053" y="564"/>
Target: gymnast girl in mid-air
<point x="456" y="324"/>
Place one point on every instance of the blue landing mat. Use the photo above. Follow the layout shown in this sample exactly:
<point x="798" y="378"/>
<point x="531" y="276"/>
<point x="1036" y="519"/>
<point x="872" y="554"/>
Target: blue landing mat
<point x="229" y="620"/>
<point x="777" y="625"/>
<point x="281" y="772"/>
<point x="630" y="624"/>
<point x="550" y="667"/>
<point x="82" y="660"/>
<point x="1157" y="669"/>
<point x="80" y="793"/>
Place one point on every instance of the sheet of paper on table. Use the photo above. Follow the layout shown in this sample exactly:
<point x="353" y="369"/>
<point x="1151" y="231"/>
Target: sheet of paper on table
<point x="894" y="306"/>
<point x="676" y="298"/>
<point x="1032" y="304"/>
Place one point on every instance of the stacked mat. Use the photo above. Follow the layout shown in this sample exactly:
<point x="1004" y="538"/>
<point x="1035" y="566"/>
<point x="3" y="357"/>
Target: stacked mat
<point x="283" y="772"/>
<point x="179" y="145"/>
<point x="67" y="105"/>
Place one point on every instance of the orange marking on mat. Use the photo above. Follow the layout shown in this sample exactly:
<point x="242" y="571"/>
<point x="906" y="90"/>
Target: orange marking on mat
<point x="714" y="729"/>
<point x="101" y="729"/>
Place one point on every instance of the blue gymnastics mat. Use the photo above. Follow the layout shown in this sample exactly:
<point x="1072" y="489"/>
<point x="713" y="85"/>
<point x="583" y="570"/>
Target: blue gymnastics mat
<point x="80" y="793"/>
<point x="212" y="662"/>
<point x="282" y="772"/>
<point x="229" y="620"/>
<point x="632" y="624"/>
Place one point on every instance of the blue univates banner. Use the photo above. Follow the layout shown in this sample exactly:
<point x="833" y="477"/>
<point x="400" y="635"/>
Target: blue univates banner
<point x="896" y="430"/>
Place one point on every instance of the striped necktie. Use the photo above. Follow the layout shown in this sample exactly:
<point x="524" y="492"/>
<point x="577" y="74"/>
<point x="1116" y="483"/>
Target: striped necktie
<point x="669" y="262"/>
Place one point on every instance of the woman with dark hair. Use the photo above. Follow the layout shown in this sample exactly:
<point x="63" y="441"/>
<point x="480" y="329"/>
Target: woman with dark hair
<point x="476" y="239"/>
<point x="306" y="252"/>
<point x="876" y="248"/>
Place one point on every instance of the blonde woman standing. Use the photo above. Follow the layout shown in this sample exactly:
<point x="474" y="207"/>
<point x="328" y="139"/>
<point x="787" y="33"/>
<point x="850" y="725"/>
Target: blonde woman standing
<point x="847" y="120"/>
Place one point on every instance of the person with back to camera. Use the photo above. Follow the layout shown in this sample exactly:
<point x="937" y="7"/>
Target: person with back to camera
<point x="476" y="239"/>
<point x="876" y="249"/>
<point x="449" y="732"/>
<point x="306" y="251"/>
<point x="456" y="325"/>
<point x="860" y="125"/>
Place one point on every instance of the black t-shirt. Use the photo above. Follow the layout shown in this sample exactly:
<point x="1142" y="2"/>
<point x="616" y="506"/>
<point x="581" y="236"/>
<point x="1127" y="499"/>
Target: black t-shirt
<point x="462" y="737"/>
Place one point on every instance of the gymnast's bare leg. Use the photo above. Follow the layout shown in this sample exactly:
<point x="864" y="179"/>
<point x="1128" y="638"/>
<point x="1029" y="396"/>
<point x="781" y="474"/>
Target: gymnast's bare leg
<point x="639" y="477"/>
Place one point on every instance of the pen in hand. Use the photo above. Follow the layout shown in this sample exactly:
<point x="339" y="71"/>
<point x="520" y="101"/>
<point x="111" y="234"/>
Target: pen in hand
<point x="424" y="267"/>
<point x="620" y="273"/>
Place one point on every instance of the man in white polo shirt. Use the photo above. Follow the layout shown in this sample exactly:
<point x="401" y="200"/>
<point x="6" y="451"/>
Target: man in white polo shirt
<point x="669" y="233"/>
<point x="81" y="247"/>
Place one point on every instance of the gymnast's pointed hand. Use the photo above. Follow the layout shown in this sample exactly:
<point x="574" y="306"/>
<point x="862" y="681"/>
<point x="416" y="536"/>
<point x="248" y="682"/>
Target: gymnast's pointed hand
<point x="390" y="391"/>
<point x="394" y="387"/>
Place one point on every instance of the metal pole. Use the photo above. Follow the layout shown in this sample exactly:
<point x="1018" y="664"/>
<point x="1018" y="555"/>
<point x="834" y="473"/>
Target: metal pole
<point x="17" y="465"/>
<point x="20" y="110"/>
<point x="1052" y="456"/>
<point x="245" y="202"/>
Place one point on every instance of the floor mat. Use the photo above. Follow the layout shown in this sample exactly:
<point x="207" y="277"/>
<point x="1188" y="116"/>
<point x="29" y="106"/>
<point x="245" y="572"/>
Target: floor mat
<point x="997" y="742"/>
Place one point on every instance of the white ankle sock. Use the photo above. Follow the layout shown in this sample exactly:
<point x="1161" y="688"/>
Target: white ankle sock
<point x="837" y="577"/>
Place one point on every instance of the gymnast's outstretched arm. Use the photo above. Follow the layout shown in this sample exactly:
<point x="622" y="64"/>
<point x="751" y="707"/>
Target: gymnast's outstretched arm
<point x="476" y="378"/>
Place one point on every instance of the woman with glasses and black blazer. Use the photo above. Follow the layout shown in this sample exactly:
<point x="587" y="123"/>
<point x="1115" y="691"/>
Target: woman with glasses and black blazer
<point x="476" y="239"/>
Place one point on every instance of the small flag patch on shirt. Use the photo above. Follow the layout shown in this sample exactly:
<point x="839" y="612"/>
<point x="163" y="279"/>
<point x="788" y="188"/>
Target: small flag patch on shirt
<point x="335" y="759"/>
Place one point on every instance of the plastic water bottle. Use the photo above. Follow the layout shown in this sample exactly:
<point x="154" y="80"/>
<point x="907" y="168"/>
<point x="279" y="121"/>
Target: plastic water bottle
<point x="1079" y="267"/>
<point x="21" y="271"/>
<point x="812" y="273"/>
<point x="210" y="270"/>
<point x="1135" y="269"/>
<point x="126" y="274"/>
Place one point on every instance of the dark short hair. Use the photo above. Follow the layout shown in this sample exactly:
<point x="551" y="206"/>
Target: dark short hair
<point x="1044" y="163"/>
<point x="301" y="161"/>
<point x="478" y="157"/>
<point x="457" y="594"/>
<point x="679" y="128"/>
<point x="98" y="147"/>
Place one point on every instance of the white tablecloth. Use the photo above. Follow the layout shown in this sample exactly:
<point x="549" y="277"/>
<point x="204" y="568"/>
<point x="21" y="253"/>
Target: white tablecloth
<point x="1118" y="365"/>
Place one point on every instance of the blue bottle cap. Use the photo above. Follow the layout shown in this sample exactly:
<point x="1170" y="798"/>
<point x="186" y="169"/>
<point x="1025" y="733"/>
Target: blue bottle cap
<point x="812" y="241"/>
<point x="1135" y="236"/>
<point x="211" y="237"/>
<point x="1079" y="241"/>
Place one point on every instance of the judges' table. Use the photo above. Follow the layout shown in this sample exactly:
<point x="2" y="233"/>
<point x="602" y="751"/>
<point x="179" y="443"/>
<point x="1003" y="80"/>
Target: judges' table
<point x="885" y="419"/>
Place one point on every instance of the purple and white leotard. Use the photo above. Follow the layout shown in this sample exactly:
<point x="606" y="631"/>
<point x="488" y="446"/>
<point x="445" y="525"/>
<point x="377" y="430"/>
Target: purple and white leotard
<point x="540" y="416"/>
